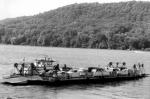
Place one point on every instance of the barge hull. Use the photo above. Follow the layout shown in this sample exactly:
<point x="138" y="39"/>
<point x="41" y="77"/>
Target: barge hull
<point x="98" y="80"/>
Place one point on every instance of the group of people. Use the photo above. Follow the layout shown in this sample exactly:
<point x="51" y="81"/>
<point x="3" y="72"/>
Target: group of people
<point x="137" y="68"/>
<point x="116" y="65"/>
<point x="64" y="68"/>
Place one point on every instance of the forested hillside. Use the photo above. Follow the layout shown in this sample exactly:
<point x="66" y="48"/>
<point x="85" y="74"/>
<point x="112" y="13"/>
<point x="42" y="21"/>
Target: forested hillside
<point x="124" y="25"/>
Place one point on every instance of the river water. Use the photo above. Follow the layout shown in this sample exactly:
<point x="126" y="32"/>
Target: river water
<point x="136" y="89"/>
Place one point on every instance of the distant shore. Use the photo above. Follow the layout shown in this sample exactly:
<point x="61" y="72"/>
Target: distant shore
<point x="135" y="50"/>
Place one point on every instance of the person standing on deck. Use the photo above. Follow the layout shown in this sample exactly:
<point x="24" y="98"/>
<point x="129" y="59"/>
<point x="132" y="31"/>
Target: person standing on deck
<point x="123" y="64"/>
<point x="117" y="64"/>
<point x="110" y="65"/>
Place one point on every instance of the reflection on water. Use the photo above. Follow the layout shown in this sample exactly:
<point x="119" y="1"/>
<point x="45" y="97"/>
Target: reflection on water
<point x="133" y="89"/>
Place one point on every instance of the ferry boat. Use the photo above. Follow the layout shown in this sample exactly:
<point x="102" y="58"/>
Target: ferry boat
<point x="47" y="71"/>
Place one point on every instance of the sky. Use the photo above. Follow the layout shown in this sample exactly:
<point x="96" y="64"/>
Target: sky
<point x="16" y="8"/>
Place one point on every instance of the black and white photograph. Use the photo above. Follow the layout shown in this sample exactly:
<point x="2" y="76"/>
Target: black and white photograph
<point x="74" y="49"/>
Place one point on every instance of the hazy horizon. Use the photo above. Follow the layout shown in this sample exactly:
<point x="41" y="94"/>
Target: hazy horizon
<point x="18" y="8"/>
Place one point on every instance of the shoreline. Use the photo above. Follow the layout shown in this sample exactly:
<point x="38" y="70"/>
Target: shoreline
<point x="136" y="50"/>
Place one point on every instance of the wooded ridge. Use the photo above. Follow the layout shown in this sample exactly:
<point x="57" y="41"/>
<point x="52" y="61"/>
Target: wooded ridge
<point x="124" y="25"/>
